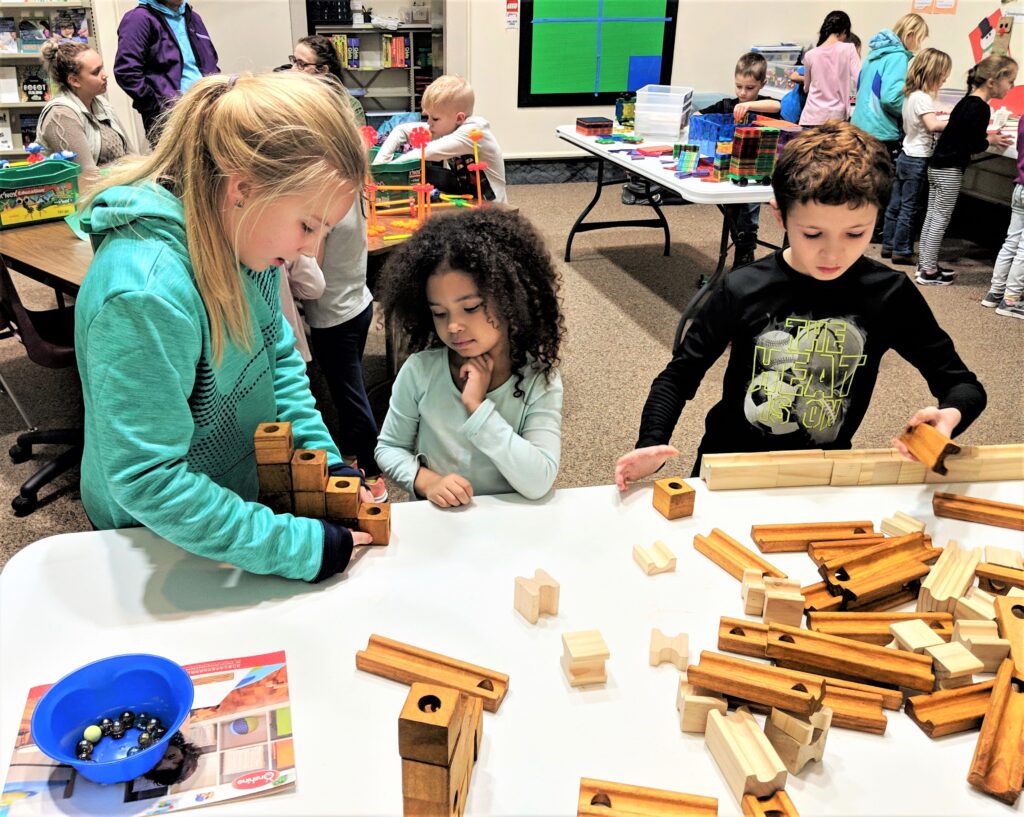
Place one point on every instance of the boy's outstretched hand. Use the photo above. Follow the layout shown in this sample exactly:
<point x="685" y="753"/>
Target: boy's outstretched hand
<point x="944" y="420"/>
<point x="640" y="463"/>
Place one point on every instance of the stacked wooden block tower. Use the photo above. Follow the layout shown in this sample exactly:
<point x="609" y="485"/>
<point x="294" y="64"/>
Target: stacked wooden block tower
<point x="296" y="481"/>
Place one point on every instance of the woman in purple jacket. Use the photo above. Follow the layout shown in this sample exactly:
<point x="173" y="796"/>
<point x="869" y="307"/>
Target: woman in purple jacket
<point x="162" y="48"/>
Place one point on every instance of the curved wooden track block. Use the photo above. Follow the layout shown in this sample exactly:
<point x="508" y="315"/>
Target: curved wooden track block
<point x="997" y="767"/>
<point x="536" y="596"/>
<point x="948" y="579"/>
<point x="929" y="445"/>
<point x="950" y="710"/>
<point x="744" y="755"/>
<point x="731" y="556"/>
<point x="654" y="559"/>
<point x="602" y="798"/>
<point x="675" y="650"/>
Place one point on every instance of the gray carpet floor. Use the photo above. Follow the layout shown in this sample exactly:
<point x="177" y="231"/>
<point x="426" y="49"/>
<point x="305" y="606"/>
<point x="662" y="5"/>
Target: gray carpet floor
<point x="622" y="299"/>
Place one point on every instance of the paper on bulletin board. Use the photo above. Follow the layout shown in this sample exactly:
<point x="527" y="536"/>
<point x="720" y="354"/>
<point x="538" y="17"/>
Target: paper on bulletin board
<point x="934" y="6"/>
<point x="511" y="14"/>
<point x="1001" y="44"/>
<point x="983" y="36"/>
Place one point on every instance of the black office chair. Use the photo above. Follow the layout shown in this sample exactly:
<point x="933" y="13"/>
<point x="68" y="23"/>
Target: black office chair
<point x="49" y="338"/>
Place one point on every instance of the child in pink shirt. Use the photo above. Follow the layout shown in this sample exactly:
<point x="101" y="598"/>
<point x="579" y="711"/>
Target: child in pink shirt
<point x="830" y="72"/>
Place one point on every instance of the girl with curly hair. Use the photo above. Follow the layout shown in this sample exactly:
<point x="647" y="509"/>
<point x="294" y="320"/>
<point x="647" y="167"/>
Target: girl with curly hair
<point x="477" y="407"/>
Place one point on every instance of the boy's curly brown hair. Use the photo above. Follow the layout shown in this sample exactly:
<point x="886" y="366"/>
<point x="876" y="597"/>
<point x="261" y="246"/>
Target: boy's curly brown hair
<point x="513" y="272"/>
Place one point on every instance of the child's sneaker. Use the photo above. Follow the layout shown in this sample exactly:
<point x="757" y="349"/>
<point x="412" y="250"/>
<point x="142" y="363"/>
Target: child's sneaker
<point x="350" y="460"/>
<point x="941" y="277"/>
<point x="886" y="252"/>
<point x="992" y="300"/>
<point x="1011" y="308"/>
<point x="378" y="490"/>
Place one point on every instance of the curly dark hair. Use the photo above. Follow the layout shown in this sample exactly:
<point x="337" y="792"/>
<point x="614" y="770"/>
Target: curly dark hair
<point x="512" y="270"/>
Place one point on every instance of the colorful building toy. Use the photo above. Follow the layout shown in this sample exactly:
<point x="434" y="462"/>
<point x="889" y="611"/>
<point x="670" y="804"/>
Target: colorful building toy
<point x="753" y="155"/>
<point x="689" y="156"/>
<point x="594" y="125"/>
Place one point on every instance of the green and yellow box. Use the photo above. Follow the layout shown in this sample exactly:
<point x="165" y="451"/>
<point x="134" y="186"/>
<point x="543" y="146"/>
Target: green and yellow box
<point x="37" y="193"/>
<point x="403" y="172"/>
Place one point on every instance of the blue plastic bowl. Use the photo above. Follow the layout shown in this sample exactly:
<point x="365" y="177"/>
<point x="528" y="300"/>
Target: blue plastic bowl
<point x="105" y="689"/>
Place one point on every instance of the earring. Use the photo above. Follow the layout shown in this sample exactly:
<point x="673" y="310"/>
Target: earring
<point x="239" y="203"/>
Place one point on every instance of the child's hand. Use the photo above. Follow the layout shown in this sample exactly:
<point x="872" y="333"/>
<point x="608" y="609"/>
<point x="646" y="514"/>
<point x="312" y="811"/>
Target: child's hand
<point x="640" y="463"/>
<point x="359" y="538"/>
<point x="477" y="373"/>
<point x="449" y="491"/>
<point x="944" y="420"/>
<point x="1000" y="140"/>
<point x="740" y="111"/>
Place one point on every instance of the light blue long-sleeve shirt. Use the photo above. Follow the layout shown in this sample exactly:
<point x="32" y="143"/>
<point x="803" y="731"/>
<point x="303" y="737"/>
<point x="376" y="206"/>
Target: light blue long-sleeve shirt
<point x="508" y="444"/>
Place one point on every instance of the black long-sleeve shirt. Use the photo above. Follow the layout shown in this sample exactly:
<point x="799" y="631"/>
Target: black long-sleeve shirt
<point x="805" y="357"/>
<point x="965" y="134"/>
<point x="728" y="105"/>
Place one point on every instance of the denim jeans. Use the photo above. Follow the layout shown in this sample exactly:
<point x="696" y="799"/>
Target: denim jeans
<point x="898" y="232"/>
<point x="746" y="218"/>
<point x="1008" y="273"/>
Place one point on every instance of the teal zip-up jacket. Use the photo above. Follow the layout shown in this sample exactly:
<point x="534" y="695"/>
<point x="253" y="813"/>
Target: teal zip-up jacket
<point x="168" y="434"/>
<point x="879" y="108"/>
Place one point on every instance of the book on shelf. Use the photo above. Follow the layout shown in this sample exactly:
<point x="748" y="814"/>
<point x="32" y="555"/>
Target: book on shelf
<point x="71" y="24"/>
<point x="8" y="84"/>
<point x="385" y="50"/>
<point x="6" y="137"/>
<point x="33" y="32"/>
<point x="8" y="35"/>
<point x="28" y="124"/>
<point x="353" y="52"/>
<point x="33" y="85"/>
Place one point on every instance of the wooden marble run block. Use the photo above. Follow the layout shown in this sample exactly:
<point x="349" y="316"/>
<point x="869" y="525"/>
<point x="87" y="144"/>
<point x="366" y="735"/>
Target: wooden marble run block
<point x="583" y="658"/>
<point x="783" y="602"/>
<point x="795" y="538"/>
<point x="776" y="804"/>
<point x="675" y="650"/>
<point x="1010" y="618"/>
<point x="975" y="509"/>
<point x="914" y="635"/>
<point x="879" y="571"/>
<point x="536" y="596"/>
<point x="874" y="627"/>
<point x="798" y="739"/>
<point x="998" y="579"/>
<point x="748" y="762"/>
<point x="975" y="605"/>
<point x="1004" y="557"/>
<point x="275" y="478"/>
<point x="982" y="639"/>
<point x="948" y="579"/>
<point x="278" y="503"/>
<point x="342" y="497"/>
<point x="752" y="591"/>
<point x="673" y="498"/>
<point x="953" y="660"/>
<point x="407" y="664"/>
<point x="982" y="463"/>
<point x="831" y="556"/>
<point x="760" y="683"/>
<point x="929" y="445"/>
<point x="997" y="767"/>
<point x="310" y="504"/>
<point x="731" y="556"/>
<point x="948" y="712"/>
<point x="374" y="518"/>
<point x="273" y="443"/>
<point x="602" y="798"/>
<point x="654" y="559"/>
<point x="943" y="683"/>
<point x="694" y="704"/>
<point x="309" y="470"/>
<point x="900" y="524"/>
<point x="430" y="723"/>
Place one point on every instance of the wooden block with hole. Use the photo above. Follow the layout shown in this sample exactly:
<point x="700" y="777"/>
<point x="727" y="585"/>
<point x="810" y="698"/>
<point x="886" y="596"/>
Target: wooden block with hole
<point x="752" y="591"/>
<point x="430" y="723"/>
<point x="798" y="739"/>
<point x="929" y="445"/>
<point x="310" y="504"/>
<point x="783" y="602"/>
<point x="535" y="596"/>
<point x="673" y="498"/>
<point x="654" y="559"/>
<point x="914" y="635"/>
<point x="583" y="658"/>
<point x="278" y="503"/>
<point x="309" y="470"/>
<point x="602" y="798"/>
<point x="746" y="759"/>
<point x="275" y="478"/>
<point x="342" y="497"/>
<point x="374" y="518"/>
<point x="273" y="443"/>
<point x="674" y="650"/>
<point x="982" y="639"/>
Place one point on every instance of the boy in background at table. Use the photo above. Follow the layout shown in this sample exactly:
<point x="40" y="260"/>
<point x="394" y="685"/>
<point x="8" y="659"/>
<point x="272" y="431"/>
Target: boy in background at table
<point x="751" y="74"/>
<point x="448" y="110"/>
<point x="808" y="325"/>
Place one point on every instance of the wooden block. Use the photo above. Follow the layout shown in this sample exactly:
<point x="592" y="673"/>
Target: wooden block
<point x="798" y="739"/>
<point x="731" y="556"/>
<point x="944" y="682"/>
<point x="795" y="537"/>
<point x="874" y="627"/>
<point x="834" y="553"/>
<point x="982" y="639"/>
<point x="655" y="559"/>
<point x="997" y="767"/>
<point x="675" y="650"/>
<point x="998" y="579"/>
<point x="309" y="470"/>
<point x="310" y="504"/>
<point x="430" y="723"/>
<point x="882" y="472"/>
<point x="1010" y="618"/>
<point x="673" y="498"/>
<point x="601" y="798"/>
<point x="406" y="664"/>
<point x="278" y="503"/>
<point x="756" y="682"/>
<point x="974" y="509"/>
<point x="783" y="606"/>
<point x="914" y="635"/>
<point x="900" y="524"/>
<point x="694" y="704"/>
<point x="275" y="478"/>
<point x="953" y="660"/>
<point x="374" y="518"/>
<point x="950" y="711"/>
<point x="1004" y="557"/>
<point x="976" y="604"/>
<point x="342" y="497"/>
<point x="777" y="804"/>
<point x="752" y="591"/>
<point x="273" y="443"/>
<point x="746" y="759"/>
<point x="879" y="571"/>
<point x="429" y="789"/>
<point x="796" y="474"/>
<point x="818" y="598"/>
<point x="537" y="595"/>
<point x="583" y="657"/>
<point x="912" y="473"/>
<point x="929" y="445"/>
<point x="948" y="579"/>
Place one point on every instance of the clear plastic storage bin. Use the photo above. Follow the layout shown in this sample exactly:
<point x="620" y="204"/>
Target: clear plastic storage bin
<point x="662" y="111"/>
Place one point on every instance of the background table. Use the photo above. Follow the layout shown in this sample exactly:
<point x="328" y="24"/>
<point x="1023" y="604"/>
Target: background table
<point x="446" y="583"/>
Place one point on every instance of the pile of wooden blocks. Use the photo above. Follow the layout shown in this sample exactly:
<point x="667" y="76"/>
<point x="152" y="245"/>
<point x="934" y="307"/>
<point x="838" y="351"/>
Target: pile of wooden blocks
<point x="296" y="481"/>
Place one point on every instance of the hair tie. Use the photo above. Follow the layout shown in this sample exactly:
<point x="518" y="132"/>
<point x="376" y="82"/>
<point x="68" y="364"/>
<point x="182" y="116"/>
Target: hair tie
<point x="232" y="80"/>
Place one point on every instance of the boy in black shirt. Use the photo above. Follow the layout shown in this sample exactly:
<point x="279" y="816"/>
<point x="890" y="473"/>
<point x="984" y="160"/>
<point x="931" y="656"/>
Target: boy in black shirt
<point x="751" y="73"/>
<point x="808" y="325"/>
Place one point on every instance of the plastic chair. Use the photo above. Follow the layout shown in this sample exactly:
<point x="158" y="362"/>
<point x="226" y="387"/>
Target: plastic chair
<point x="48" y="337"/>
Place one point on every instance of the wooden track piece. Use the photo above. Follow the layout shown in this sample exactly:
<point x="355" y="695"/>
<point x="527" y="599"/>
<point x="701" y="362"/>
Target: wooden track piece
<point x="731" y="556"/>
<point x="829" y="561"/>
<point x="654" y="559"/>
<point x="746" y="759"/>
<point x="407" y="664"/>
<point x="832" y="549"/>
<point x="975" y="509"/>
<point x="900" y="524"/>
<point x="798" y="739"/>
<point x="673" y="498"/>
<point x="874" y="627"/>
<point x="880" y="571"/>
<point x="694" y="704"/>
<point x="929" y="445"/>
<point x="374" y="518"/>
<point x="982" y="639"/>
<point x="601" y="798"/>
<point x="795" y="537"/>
<point x="819" y="652"/>
<point x="752" y="591"/>
<point x="914" y="635"/>
<point x="775" y="805"/>
<point x="536" y="596"/>
<point x="675" y="650"/>
<point x="950" y="711"/>
<point x="998" y="579"/>
<point x="975" y="605"/>
<point x="583" y="657"/>
<point x="948" y="579"/>
<point x="817" y="598"/>
<point x="997" y="767"/>
<point x="953" y="660"/>
<point x="1010" y="618"/>
<point x="742" y="637"/>
<point x="1004" y="557"/>
<point x="756" y="682"/>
